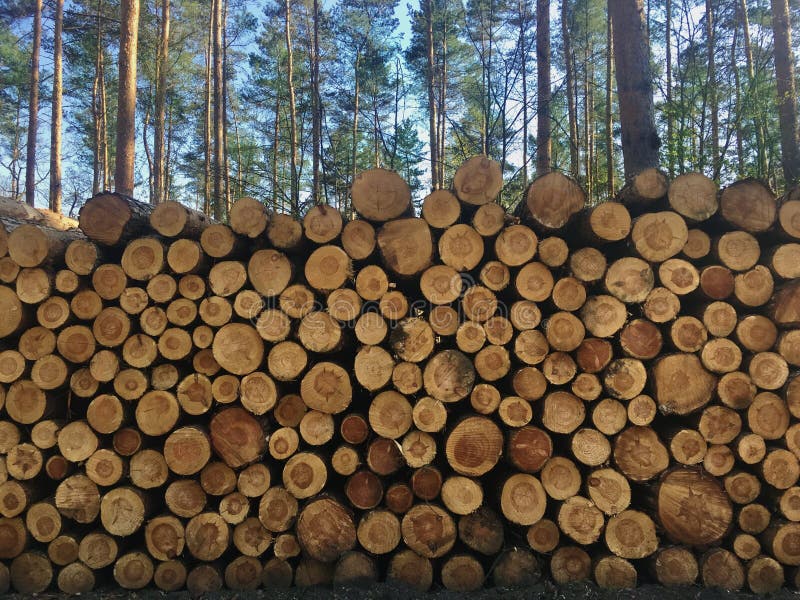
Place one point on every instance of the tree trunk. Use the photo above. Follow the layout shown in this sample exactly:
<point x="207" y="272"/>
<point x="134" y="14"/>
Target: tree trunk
<point x="570" y="73"/>
<point x="640" y="140"/>
<point x="55" y="124"/>
<point x="316" y="111"/>
<point x="609" y="114"/>
<point x="668" y="93"/>
<point x="712" y="90"/>
<point x="433" y="135"/>
<point x="226" y="171"/>
<point x="162" y="64"/>
<point x="33" y="108"/>
<point x="543" y="141"/>
<point x="207" y="122"/>
<point x="218" y="167"/>
<point x="354" y="132"/>
<point x="97" y="164"/>
<point x="787" y="94"/>
<point x="751" y="90"/>
<point x="295" y="193"/>
<point x="126" y="104"/>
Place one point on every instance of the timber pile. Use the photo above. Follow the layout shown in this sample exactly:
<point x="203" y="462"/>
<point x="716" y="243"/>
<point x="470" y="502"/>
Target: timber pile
<point x="447" y="399"/>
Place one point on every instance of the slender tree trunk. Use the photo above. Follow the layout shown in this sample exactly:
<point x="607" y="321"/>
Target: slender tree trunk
<point x="226" y="171"/>
<point x="570" y="73"/>
<point x="147" y="153"/>
<point x="106" y="166"/>
<point x="634" y="85"/>
<point x="734" y="66"/>
<point x="55" y="121"/>
<point x="787" y="94"/>
<point x="356" y="108"/>
<point x="587" y="119"/>
<point x="126" y="105"/>
<point x="543" y="136"/>
<point x="433" y="135"/>
<point x="33" y="108"/>
<point x="15" y="150"/>
<point x="295" y="194"/>
<point x="670" y="116"/>
<point x="712" y="88"/>
<point x="167" y="157"/>
<point x="275" y="133"/>
<point x="98" y="162"/>
<point x="316" y="108"/>
<point x="207" y="122"/>
<point x="751" y="90"/>
<point x="443" y="110"/>
<point x="162" y="64"/>
<point x="218" y="201"/>
<point x="609" y="114"/>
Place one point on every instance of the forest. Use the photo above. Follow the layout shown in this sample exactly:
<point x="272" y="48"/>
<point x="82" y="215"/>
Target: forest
<point x="287" y="100"/>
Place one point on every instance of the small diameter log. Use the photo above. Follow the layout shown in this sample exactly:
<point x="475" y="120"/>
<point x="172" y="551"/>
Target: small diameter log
<point x="380" y="195"/>
<point x="570" y="563"/>
<point x="379" y="532"/>
<point x="326" y="269"/>
<point x="552" y="200"/>
<point x="31" y="573"/>
<point x="111" y="219"/>
<point x="607" y="222"/>
<point x="248" y="217"/>
<point x="693" y="196"/>
<point x="698" y="245"/>
<point x="614" y="573"/>
<point x="358" y="239"/>
<point x="412" y="569"/>
<point x="581" y="520"/>
<point x="675" y="566"/>
<point x="748" y="205"/>
<point x="462" y="573"/>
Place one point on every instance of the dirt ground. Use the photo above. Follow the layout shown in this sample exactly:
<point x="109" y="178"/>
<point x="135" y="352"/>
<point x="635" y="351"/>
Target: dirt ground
<point x="385" y="591"/>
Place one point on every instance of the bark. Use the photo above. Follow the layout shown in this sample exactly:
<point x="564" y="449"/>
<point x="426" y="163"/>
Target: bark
<point x="757" y="120"/>
<point x="218" y="162"/>
<point x="55" y="127"/>
<point x="162" y="63"/>
<point x="609" y="114"/>
<point x="668" y="94"/>
<point x="433" y="135"/>
<point x="570" y="74"/>
<point x="543" y="141"/>
<point x="126" y="104"/>
<point x="787" y="94"/>
<point x="640" y="140"/>
<point x="712" y="90"/>
<point x="33" y="108"/>
<point x="295" y="192"/>
<point x="207" y="122"/>
<point x="316" y="108"/>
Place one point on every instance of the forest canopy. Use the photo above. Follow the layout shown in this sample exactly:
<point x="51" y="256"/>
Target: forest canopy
<point x="287" y="100"/>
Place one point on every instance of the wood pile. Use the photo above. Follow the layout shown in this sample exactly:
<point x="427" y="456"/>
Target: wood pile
<point x="452" y="399"/>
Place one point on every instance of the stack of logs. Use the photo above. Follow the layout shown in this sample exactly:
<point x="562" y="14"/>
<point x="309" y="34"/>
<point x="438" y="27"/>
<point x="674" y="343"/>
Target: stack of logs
<point x="446" y="399"/>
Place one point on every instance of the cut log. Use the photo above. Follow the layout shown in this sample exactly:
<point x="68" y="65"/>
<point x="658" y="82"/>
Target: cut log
<point x="175" y="220"/>
<point x="322" y="224"/>
<point x="477" y="181"/>
<point x="110" y="219"/>
<point x="659" y="236"/>
<point x="552" y="200"/>
<point x="693" y="196"/>
<point x="380" y="195"/>
<point x="693" y="508"/>
<point x="325" y="530"/>
<point x="645" y="189"/>
<point x="748" y="205"/>
<point x="428" y="530"/>
<point x="248" y="217"/>
<point x="441" y="209"/>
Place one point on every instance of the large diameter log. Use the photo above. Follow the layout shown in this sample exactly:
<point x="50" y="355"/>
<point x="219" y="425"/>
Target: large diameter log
<point x="659" y="236"/>
<point x="248" y="217"/>
<point x="237" y="437"/>
<point x="682" y="385"/>
<point x="693" y="508"/>
<point x="693" y="196"/>
<point x="478" y="180"/>
<point x="749" y="205"/>
<point x="474" y="446"/>
<point x="112" y="219"/>
<point x="552" y="200"/>
<point x="32" y="245"/>
<point x="325" y="530"/>
<point x="238" y="348"/>
<point x="406" y="246"/>
<point x="380" y="195"/>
